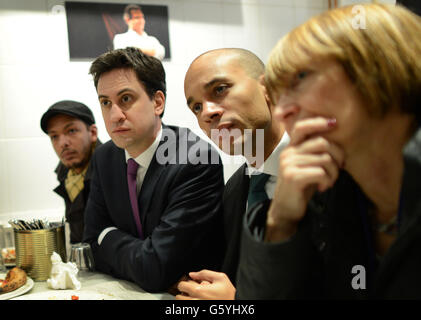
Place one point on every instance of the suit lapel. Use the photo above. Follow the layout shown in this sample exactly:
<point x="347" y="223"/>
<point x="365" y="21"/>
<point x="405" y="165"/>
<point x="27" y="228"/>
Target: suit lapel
<point x="237" y="191"/>
<point x="148" y="186"/>
<point x="150" y="181"/>
<point x="119" y="182"/>
<point x="235" y="199"/>
<point x="245" y="182"/>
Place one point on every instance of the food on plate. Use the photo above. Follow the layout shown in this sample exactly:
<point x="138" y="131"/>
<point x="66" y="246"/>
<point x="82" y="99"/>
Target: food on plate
<point x="74" y="297"/>
<point x="15" y="278"/>
<point x="9" y="255"/>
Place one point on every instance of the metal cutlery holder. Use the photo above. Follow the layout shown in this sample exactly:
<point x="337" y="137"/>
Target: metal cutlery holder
<point x="34" y="249"/>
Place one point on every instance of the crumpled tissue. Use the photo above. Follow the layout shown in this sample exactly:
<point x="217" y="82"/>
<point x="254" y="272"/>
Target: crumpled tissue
<point x="63" y="275"/>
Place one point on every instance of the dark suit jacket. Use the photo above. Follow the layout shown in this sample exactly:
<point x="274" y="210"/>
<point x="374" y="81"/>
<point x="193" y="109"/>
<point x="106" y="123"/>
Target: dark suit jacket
<point x="74" y="210"/>
<point x="180" y="206"/>
<point x="235" y="200"/>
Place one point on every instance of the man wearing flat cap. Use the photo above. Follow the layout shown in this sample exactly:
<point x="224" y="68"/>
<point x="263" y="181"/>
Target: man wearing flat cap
<point x="73" y="133"/>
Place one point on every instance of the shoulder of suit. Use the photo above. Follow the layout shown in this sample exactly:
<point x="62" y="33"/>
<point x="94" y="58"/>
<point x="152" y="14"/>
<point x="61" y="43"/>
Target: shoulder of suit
<point x="106" y="149"/>
<point x="180" y="145"/>
<point x="184" y="134"/>
<point x="98" y="143"/>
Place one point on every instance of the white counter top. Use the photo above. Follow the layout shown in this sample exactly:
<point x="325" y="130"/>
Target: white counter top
<point x="95" y="286"/>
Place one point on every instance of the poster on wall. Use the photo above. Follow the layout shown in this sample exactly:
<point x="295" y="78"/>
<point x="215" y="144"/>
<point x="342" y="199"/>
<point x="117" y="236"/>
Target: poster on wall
<point x="95" y="28"/>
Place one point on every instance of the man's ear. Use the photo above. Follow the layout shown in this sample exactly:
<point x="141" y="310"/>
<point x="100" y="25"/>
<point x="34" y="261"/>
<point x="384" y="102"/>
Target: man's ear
<point x="159" y="102"/>
<point x="265" y="91"/>
<point x="93" y="130"/>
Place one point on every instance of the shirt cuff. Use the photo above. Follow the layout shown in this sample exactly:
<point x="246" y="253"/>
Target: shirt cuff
<point x="103" y="233"/>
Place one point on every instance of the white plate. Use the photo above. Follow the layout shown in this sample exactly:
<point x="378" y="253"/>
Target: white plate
<point x="19" y="291"/>
<point x="67" y="295"/>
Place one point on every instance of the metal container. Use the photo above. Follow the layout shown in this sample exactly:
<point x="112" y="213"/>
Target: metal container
<point x="34" y="249"/>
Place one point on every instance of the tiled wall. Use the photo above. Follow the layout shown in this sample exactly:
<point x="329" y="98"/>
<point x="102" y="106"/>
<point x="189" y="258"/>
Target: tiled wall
<point x="35" y="72"/>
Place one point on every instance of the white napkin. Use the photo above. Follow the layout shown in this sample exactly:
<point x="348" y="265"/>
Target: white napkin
<point x="63" y="275"/>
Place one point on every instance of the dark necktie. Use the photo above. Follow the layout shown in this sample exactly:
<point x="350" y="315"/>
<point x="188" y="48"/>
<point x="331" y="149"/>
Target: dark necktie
<point x="132" y="167"/>
<point x="257" y="191"/>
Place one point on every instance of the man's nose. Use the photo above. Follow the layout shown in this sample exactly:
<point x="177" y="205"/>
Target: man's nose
<point x="211" y="111"/>
<point x="116" y="114"/>
<point x="63" y="141"/>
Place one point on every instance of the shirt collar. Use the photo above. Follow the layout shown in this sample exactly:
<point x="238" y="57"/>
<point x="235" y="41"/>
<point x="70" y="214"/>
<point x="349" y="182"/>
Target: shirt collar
<point x="271" y="164"/>
<point x="72" y="172"/>
<point x="145" y="158"/>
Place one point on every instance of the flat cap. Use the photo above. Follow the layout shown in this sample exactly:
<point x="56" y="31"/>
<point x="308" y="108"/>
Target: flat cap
<point x="69" y="107"/>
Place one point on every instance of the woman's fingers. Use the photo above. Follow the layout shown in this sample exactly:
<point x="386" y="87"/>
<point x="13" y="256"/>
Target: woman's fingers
<point x="319" y="145"/>
<point x="300" y="178"/>
<point x="311" y="162"/>
<point x="312" y="165"/>
<point x="307" y="128"/>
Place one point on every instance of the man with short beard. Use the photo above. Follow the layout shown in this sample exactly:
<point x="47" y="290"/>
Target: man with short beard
<point x="73" y="133"/>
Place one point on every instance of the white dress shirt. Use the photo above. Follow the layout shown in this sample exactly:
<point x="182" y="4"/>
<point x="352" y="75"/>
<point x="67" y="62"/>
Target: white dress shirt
<point x="144" y="160"/>
<point x="132" y="39"/>
<point x="271" y="166"/>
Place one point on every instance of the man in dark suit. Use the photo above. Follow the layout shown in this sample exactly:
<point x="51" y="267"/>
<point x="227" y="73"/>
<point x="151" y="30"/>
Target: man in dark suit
<point x="224" y="90"/>
<point x="155" y="203"/>
<point x="73" y="134"/>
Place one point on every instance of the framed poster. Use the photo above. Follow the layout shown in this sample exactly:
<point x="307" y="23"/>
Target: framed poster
<point x="95" y="28"/>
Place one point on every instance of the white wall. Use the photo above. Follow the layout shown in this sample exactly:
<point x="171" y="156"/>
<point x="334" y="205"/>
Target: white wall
<point x="35" y="72"/>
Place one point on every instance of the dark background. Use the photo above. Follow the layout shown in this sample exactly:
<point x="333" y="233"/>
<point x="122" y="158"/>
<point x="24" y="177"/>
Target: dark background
<point x="413" y="5"/>
<point x="91" y="27"/>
